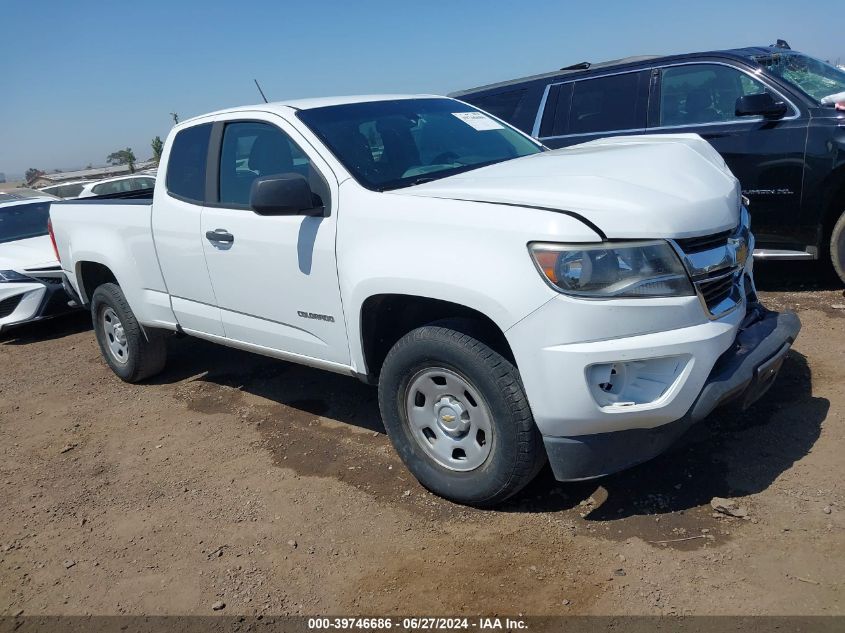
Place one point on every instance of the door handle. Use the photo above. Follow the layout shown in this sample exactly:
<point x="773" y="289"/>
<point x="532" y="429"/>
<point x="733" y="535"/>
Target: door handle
<point x="220" y="236"/>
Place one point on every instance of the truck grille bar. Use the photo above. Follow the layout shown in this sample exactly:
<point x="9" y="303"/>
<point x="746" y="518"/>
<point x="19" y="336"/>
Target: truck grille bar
<point x="716" y="263"/>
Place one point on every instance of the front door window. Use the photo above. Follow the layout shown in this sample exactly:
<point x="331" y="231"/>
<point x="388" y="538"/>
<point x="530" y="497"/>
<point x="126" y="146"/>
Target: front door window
<point x="703" y="93"/>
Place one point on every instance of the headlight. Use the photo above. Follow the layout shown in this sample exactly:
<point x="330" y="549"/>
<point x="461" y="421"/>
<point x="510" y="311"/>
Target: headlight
<point x="12" y="275"/>
<point x="621" y="269"/>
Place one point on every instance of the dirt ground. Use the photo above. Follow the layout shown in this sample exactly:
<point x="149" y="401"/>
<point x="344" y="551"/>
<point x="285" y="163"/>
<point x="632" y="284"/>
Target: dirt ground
<point x="272" y="488"/>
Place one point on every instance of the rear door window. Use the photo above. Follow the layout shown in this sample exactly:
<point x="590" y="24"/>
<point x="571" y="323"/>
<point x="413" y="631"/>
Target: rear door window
<point x="187" y="162"/>
<point x="613" y="103"/>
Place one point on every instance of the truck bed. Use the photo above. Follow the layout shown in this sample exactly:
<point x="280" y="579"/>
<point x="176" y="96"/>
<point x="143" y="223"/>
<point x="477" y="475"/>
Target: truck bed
<point x="113" y="232"/>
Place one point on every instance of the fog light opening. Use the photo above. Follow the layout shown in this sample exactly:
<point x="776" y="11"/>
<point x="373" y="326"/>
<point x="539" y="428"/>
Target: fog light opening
<point x="635" y="382"/>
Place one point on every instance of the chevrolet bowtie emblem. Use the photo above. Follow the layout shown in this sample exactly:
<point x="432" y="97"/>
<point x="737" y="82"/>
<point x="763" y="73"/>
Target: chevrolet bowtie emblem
<point x="447" y="418"/>
<point x="740" y="250"/>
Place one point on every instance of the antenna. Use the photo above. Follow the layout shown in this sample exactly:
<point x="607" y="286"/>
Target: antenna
<point x="260" y="90"/>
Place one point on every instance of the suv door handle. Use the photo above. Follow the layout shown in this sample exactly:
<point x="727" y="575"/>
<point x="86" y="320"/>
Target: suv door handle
<point x="220" y="236"/>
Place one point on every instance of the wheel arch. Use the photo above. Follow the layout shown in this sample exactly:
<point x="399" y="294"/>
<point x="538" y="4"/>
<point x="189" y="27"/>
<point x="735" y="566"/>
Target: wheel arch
<point x="385" y="318"/>
<point x="90" y="275"/>
<point x="833" y="202"/>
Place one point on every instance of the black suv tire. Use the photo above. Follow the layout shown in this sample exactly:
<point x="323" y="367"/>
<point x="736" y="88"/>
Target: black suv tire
<point x="837" y="247"/>
<point x="484" y="390"/>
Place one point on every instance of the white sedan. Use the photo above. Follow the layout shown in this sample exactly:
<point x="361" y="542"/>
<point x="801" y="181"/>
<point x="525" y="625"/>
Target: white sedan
<point x="30" y="274"/>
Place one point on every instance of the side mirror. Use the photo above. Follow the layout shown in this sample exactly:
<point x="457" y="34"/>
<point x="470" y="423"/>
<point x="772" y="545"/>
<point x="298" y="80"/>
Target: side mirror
<point x="762" y="104"/>
<point x="284" y="194"/>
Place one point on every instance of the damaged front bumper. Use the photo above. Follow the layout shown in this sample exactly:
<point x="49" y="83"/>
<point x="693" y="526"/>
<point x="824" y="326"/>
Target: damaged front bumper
<point x="742" y="374"/>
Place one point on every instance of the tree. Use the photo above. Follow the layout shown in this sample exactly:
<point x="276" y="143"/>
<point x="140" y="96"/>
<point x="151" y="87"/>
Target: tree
<point x="157" y="146"/>
<point x="123" y="157"/>
<point x="32" y="173"/>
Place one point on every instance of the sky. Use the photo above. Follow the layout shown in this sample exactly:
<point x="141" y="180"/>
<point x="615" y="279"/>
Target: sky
<point x="82" y="79"/>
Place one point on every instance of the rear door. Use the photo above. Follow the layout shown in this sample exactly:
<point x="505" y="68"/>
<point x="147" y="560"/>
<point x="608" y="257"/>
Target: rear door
<point x="585" y="109"/>
<point x="176" y="223"/>
<point x="767" y="156"/>
<point x="275" y="277"/>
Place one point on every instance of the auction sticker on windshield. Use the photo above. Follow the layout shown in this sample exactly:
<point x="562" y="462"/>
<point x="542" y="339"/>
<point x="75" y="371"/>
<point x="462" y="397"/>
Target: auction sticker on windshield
<point x="478" y="120"/>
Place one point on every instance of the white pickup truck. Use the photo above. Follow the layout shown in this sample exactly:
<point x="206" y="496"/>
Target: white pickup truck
<point x="513" y="304"/>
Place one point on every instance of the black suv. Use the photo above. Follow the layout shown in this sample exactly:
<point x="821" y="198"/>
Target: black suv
<point x="771" y="112"/>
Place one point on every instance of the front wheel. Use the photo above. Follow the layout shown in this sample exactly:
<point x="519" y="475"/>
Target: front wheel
<point x="132" y="353"/>
<point x="457" y="414"/>
<point x="837" y="247"/>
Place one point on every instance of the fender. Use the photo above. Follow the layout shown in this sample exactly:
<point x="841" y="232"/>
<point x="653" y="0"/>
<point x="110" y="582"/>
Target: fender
<point x="434" y="252"/>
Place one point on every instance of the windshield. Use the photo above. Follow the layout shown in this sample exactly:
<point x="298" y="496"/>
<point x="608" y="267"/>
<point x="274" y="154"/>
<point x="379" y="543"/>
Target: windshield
<point x="814" y="77"/>
<point x="392" y="144"/>
<point x="23" y="221"/>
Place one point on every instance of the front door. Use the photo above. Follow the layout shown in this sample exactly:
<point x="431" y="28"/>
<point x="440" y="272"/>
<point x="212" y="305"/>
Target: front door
<point x="767" y="156"/>
<point x="274" y="277"/>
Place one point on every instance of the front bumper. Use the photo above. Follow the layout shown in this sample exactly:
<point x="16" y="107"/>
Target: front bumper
<point x="743" y="374"/>
<point x="28" y="301"/>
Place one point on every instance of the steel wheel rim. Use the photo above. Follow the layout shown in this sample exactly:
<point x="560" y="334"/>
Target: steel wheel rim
<point x="448" y="419"/>
<point x="115" y="336"/>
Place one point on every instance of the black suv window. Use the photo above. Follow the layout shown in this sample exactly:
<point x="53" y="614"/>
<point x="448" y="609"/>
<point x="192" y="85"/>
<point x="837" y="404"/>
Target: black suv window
<point x="252" y="149"/>
<point x="703" y="93"/>
<point x="186" y="165"/>
<point x="501" y="104"/>
<point x="603" y="104"/>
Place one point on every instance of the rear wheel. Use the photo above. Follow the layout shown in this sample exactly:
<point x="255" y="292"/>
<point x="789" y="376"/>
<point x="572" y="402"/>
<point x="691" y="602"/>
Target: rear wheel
<point x="457" y="414"/>
<point x="837" y="247"/>
<point x="132" y="353"/>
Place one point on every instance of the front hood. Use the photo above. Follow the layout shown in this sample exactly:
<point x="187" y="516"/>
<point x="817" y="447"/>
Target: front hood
<point x="657" y="186"/>
<point x="35" y="252"/>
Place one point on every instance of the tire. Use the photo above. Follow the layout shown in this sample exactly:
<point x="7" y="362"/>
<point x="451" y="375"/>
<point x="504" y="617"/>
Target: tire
<point x="435" y="428"/>
<point x="837" y="247"/>
<point x="132" y="352"/>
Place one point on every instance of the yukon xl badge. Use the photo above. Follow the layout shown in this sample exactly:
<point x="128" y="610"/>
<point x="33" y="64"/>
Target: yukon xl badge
<point x="318" y="317"/>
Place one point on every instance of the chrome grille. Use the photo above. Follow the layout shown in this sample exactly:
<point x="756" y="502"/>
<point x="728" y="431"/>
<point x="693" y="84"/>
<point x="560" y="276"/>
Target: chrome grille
<point x="715" y="291"/>
<point x="704" y="243"/>
<point x="716" y="263"/>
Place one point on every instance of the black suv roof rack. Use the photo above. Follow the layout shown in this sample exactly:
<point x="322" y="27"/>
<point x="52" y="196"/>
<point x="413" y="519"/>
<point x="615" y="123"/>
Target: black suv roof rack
<point x="578" y="66"/>
<point x="569" y="69"/>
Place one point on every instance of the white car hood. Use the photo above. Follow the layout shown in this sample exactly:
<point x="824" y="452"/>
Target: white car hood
<point x="651" y="186"/>
<point x="34" y="252"/>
